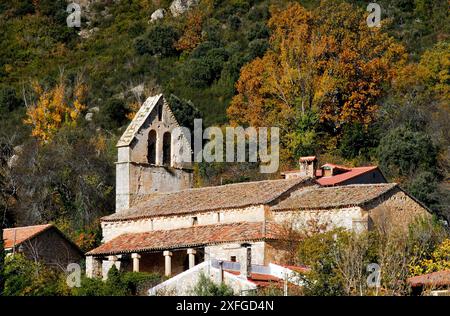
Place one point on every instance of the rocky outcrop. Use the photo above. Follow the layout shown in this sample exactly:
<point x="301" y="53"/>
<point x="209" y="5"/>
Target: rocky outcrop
<point x="91" y="112"/>
<point x="179" y="7"/>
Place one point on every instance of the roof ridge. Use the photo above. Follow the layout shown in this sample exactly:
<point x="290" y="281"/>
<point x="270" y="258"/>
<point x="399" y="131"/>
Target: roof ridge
<point x="357" y="185"/>
<point x="27" y="227"/>
<point x="294" y="181"/>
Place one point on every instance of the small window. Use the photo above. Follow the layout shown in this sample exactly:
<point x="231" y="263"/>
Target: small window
<point x="233" y="258"/>
<point x="194" y="220"/>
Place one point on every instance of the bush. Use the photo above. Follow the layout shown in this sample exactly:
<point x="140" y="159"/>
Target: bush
<point x="159" y="40"/>
<point x="356" y="141"/>
<point x="113" y="114"/>
<point x="26" y="277"/>
<point x="202" y="72"/>
<point x="424" y="186"/>
<point x="118" y="284"/>
<point x="206" y="287"/>
<point x="8" y="100"/>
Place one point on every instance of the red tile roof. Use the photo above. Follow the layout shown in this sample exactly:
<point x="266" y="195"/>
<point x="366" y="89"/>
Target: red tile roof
<point x="440" y="278"/>
<point x="331" y="197"/>
<point x="340" y="178"/>
<point x="189" y="237"/>
<point x="209" y="198"/>
<point x="22" y="234"/>
<point x="259" y="279"/>
<point x="299" y="269"/>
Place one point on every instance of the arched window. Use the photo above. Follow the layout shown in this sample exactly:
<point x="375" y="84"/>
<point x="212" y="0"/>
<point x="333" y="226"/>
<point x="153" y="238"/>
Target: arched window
<point x="151" y="149"/>
<point x="166" y="149"/>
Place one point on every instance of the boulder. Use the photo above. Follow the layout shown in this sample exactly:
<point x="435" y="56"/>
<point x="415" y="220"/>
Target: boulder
<point x="157" y="15"/>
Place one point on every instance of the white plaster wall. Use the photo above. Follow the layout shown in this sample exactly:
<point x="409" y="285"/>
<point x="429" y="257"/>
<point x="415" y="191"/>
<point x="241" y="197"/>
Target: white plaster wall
<point x="248" y="214"/>
<point x="184" y="283"/>
<point x="225" y="251"/>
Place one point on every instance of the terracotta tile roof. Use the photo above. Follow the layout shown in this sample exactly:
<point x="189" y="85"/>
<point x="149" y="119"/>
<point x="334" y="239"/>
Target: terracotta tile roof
<point x="22" y="234"/>
<point x="340" y="178"/>
<point x="339" y="196"/>
<point x="299" y="269"/>
<point x="259" y="279"/>
<point x="188" y="237"/>
<point x="440" y="278"/>
<point x="209" y="198"/>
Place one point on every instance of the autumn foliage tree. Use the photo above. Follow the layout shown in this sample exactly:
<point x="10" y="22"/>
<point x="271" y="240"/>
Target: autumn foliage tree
<point x="326" y="61"/>
<point x="54" y="108"/>
<point x="192" y="35"/>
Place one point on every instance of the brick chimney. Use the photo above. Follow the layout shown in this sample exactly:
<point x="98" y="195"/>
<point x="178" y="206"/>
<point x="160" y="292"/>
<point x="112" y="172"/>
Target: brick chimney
<point x="308" y="166"/>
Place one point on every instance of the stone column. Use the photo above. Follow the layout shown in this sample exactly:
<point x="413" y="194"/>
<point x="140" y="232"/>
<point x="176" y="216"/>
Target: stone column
<point x="136" y="258"/>
<point x="114" y="262"/>
<point x="191" y="253"/>
<point x="93" y="267"/>
<point x="168" y="261"/>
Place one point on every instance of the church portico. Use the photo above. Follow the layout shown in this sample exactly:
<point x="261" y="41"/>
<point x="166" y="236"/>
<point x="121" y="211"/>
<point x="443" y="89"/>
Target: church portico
<point x="170" y="252"/>
<point x="165" y="262"/>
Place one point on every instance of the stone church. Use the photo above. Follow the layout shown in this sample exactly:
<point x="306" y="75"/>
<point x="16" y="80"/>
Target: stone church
<point x="162" y="224"/>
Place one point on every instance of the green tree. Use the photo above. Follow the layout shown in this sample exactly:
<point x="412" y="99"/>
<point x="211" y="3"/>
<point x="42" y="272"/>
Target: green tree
<point x="403" y="152"/>
<point x="319" y="253"/>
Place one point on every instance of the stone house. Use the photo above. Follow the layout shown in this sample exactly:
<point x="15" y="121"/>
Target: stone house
<point x="331" y="174"/>
<point x="162" y="224"/>
<point x="42" y="243"/>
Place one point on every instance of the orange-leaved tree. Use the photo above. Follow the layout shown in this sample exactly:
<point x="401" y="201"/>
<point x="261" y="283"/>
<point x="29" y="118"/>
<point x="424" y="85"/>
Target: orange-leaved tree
<point x="53" y="108"/>
<point x="326" y="61"/>
<point x="192" y="35"/>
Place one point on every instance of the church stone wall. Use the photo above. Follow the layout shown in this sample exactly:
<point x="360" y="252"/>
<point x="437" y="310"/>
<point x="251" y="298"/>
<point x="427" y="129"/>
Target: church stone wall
<point x="136" y="176"/>
<point x="226" y="251"/>
<point x="351" y="218"/>
<point x="247" y="214"/>
<point x="394" y="210"/>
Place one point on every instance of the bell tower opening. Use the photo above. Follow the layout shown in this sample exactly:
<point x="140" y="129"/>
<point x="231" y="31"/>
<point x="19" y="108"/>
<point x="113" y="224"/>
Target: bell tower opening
<point x="151" y="149"/>
<point x="167" y="152"/>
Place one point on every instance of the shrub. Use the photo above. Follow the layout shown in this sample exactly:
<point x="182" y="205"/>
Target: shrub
<point x="118" y="284"/>
<point x="159" y="40"/>
<point x="26" y="277"/>
<point x="206" y="287"/>
<point x="113" y="113"/>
